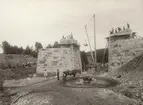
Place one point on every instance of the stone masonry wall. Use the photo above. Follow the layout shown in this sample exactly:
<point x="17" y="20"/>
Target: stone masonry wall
<point x="122" y="51"/>
<point x="63" y="59"/>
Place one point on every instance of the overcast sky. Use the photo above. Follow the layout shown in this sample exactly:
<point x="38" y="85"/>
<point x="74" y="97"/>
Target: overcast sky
<point x="23" y="22"/>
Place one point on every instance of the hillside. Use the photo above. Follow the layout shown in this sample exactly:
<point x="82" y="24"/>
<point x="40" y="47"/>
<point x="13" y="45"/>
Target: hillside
<point x="15" y="60"/>
<point x="100" y="53"/>
<point x="14" y="66"/>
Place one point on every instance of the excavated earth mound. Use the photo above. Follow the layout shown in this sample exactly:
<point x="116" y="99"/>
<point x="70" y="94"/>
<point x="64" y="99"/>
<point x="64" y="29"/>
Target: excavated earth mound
<point x="130" y="76"/>
<point x="132" y="71"/>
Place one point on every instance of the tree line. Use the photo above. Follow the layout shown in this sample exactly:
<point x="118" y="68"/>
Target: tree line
<point x="102" y="55"/>
<point x="29" y="50"/>
<point x="14" y="49"/>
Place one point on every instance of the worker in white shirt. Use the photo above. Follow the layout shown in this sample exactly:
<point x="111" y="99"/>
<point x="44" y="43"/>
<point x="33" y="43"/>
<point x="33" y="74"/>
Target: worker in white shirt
<point x="45" y="74"/>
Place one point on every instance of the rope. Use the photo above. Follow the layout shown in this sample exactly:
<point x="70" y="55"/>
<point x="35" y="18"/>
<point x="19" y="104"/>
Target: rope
<point x="88" y="37"/>
<point x="89" y="20"/>
<point x="89" y="43"/>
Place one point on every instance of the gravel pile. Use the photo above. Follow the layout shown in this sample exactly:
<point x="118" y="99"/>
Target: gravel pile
<point x="4" y="100"/>
<point x="33" y="99"/>
<point x="132" y="71"/>
<point x="131" y="77"/>
<point x="133" y="64"/>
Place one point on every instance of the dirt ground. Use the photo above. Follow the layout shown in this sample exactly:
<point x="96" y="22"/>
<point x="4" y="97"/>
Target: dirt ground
<point x="15" y="73"/>
<point x="54" y="93"/>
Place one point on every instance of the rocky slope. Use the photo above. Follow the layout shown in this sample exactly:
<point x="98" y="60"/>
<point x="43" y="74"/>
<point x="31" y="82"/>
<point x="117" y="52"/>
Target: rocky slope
<point x="132" y="71"/>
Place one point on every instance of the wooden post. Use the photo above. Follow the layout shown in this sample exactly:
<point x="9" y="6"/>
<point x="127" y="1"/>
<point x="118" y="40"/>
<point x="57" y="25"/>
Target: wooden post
<point x="95" y="57"/>
<point x="58" y="77"/>
<point x="89" y="45"/>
